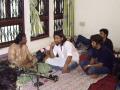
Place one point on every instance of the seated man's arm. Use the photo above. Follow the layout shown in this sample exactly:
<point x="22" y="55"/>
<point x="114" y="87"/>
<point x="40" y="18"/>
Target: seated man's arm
<point x="29" y="55"/>
<point x="92" y="61"/>
<point x="12" y="55"/>
<point x="52" y="50"/>
<point x="97" y="65"/>
<point x="68" y="61"/>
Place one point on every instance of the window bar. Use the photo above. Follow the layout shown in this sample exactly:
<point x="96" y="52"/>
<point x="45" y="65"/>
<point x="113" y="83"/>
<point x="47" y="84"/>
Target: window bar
<point x="42" y="8"/>
<point x="4" y="10"/>
<point x="45" y="7"/>
<point x="17" y="30"/>
<point x="62" y="6"/>
<point x="6" y="34"/>
<point x="7" y="10"/>
<point x="58" y="6"/>
<point x="12" y="32"/>
<point x="0" y="35"/>
<point x="58" y="24"/>
<point x="11" y="8"/>
<point x="9" y="34"/>
<point x="5" y="39"/>
<point x="3" y="34"/>
<point x="13" y="3"/>
<point x="55" y="25"/>
<point x="20" y="8"/>
<point x="15" y="8"/>
<point x="0" y="9"/>
<point x="54" y="7"/>
<point x="39" y="3"/>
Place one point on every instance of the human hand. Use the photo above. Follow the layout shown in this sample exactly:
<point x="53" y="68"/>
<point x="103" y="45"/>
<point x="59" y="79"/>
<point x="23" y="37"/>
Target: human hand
<point x="52" y="45"/>
<point x="86" y="67"/>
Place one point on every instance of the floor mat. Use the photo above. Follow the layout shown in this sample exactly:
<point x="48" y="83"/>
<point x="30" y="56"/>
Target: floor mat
<point x="69" y="81"/>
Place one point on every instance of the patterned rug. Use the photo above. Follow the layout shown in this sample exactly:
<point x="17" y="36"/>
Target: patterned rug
<point x="69" y="81"/>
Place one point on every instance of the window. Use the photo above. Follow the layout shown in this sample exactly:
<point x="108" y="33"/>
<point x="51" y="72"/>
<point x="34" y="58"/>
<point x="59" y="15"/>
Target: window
<point x="64" y="17"/>
<point x="43" y="9"/>
<point x="11" y="20"/>
<point x="58" y="15"/>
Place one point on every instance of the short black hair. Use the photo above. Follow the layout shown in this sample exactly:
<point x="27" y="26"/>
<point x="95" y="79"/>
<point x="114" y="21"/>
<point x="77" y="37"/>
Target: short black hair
<point x="97" y="38"/>
<point x="19" y="37"/>
<point x="104" y="30"/>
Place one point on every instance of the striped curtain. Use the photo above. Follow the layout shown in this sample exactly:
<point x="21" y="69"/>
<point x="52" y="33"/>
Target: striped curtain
<point x="68" y="23"/>
<point x="36" y="27"/>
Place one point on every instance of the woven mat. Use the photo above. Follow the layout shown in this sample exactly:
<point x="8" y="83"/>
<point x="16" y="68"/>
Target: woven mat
<point x="69" y="81"/>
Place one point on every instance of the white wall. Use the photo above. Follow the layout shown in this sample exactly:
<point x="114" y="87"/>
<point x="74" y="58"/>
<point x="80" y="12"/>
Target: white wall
<point x="35" y="45"/>
<point x="92" y="15"/>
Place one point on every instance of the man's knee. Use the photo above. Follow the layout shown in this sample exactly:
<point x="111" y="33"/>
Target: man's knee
<point x="84" y="63"/>
<point x="92" y="70"/>
<point x="73" y="65"/>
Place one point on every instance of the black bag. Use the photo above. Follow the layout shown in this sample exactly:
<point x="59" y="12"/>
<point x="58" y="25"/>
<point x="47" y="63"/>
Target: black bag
<point x="40" y="56"/>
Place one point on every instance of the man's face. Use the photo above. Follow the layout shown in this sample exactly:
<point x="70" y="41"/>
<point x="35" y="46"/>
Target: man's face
<point x="103" y="35"/>
<point x="57" y="39"/>
<point x="24" y="40"/>
<point x="94" y="44"/>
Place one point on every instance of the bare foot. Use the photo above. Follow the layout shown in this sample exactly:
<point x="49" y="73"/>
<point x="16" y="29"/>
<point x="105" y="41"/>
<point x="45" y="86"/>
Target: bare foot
<point x="79" y="69"/>
<point x="94" y="76"/>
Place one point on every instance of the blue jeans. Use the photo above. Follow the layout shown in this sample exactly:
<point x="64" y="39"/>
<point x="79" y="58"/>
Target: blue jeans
<point x="72" y="66"/>
<point x="94" y="70"/>
<point x="84" y="63"/>
<point x="101" y="70"/>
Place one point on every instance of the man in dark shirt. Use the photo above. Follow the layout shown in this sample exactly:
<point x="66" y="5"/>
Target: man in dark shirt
<point x="106" y="41"/>
<point x="102" y="59"/>
<point x="104" y="34"/>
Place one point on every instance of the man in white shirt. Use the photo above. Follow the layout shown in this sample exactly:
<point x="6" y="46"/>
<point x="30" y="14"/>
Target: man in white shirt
<point x="63" y="53"/>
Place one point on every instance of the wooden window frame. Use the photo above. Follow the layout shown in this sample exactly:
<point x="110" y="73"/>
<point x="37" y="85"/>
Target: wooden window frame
<point x="12" y="21"/>
<point x="45" y="19"/>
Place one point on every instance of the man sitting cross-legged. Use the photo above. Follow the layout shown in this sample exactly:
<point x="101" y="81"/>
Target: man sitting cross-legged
<point x="102" y="58"/>
<point x="18" y="53"/>
<point x="63" y="54"/>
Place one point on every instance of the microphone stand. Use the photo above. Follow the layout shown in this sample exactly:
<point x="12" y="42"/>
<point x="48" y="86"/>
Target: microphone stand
<point x="38" y="83"/>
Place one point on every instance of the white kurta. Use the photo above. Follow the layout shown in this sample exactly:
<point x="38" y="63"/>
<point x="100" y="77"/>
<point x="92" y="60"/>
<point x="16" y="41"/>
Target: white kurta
<point x="67" y="49"/>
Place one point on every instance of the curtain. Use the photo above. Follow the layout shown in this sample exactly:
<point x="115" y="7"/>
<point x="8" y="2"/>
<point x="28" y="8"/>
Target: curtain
<point x="36" y="27"/>
<point x="68" y="23"/>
